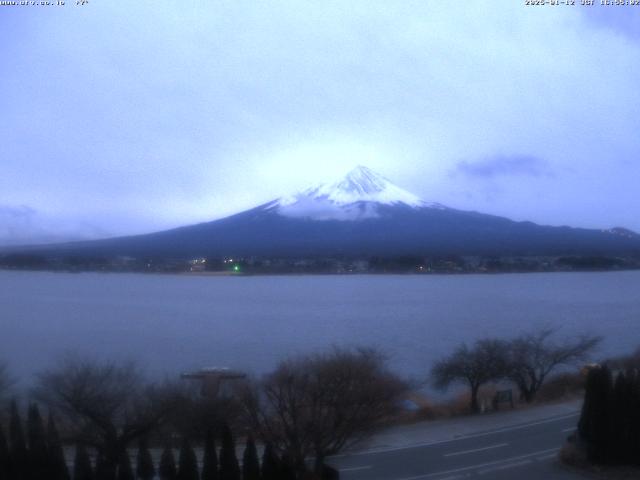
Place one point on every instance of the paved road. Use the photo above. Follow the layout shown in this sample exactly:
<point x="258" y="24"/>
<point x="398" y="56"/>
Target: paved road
<point x="519" y="451"/>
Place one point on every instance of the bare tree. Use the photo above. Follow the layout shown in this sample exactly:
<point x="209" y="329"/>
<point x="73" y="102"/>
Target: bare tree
<point x="486" y="361"/>
<point x="321" y="404"/>
<point x="107" y="404"/>
<point x="533" y="356"/>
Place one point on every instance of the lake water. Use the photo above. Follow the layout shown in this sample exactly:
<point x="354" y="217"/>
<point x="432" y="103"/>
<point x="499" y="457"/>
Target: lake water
<point x="175" y="323"/>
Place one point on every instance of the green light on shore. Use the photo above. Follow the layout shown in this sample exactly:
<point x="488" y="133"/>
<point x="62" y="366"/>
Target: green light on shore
<point x="236" y="268"/>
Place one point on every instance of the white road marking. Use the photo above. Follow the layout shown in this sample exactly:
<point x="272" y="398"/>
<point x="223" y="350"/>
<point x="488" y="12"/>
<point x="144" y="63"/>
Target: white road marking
<point x="504" y="467"/>
<point x="354" y="469"/>
<point x="462" y="437"/>
<point x="571" y="429"/>
<point x="464" y="452"/>
<point x="504" y="461"/>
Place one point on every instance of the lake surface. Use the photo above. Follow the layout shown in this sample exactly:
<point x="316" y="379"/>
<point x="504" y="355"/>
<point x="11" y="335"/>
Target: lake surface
<point x="171" y="323"/>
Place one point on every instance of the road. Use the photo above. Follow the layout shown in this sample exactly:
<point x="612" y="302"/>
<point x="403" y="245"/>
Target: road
<point x="522" y="451"/>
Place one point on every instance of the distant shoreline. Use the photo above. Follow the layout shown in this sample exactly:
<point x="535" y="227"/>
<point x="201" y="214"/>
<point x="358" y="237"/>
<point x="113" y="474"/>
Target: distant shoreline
<point x="315" y="274"/>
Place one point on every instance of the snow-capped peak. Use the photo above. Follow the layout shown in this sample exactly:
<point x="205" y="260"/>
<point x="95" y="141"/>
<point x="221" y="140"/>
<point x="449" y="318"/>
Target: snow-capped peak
<point x="353" y="197"/>
<point x="359" y="185"/>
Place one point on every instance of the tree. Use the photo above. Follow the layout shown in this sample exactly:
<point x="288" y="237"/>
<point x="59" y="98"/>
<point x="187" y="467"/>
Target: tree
<point x="532" y="357"/>
<point x="19" y="455"/>
<point x="125" y="472"/>
<point x="144" y="463"/>
<point x="108" y="404"/>
<point x="82" y="469"/>
<point x="486" y="361"/>
<point x="4" y="455"/>
<point x="39" y="463"/>
<point x="619" y="425"/>
<point x="188" y="463"/>
<point x="250" y="463"/>
<point x="229" y="468"/>
<point x="287" y="468"/>
<point x="167" y="468"/>
<point x="270" y="469"/>
<point x="103" y="470"/>
<point x="634" y="417"/>
<point x="210" y="458"/>
<point x="318" y="405"/>
<point x="594" y="423"/>
<point x="58" y="464"/>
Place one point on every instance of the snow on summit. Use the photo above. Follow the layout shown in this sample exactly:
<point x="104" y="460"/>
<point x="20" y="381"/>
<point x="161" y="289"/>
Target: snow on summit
<point x="354" y="197"/>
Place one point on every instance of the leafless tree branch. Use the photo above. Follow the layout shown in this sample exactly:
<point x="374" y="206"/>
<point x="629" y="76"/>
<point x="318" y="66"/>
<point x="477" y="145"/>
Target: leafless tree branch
<point x="319" y="405"/>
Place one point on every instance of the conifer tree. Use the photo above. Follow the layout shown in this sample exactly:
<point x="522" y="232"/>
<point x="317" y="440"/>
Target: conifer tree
<point x="57" y="462"/>
<point x="4" y="456"/>
<point x="619" y="433"/>
<point x="144" y="463"/>
<point x="125" y="472"/>
<point x="603" y="417"/>
<point x="103" y="470"/>
<point x="250" y="463"/>
<point x="634" y="447"/>
<point x="229" y="468"/>
<point x="626" y="419"/>
<point x="210" y="458"/>
<point x="167" y="468"/>
<point x="38" y="452"/>
<point x="610" y="420"/>
<point x="18" y="448"/>
<point x="187" y="463"/>
<point x="634" y="420"/>
<point x="287" y="469"/>
<point x="586" y="414"/>
<point x="82" y="469"/>
<point x="270" y="464"/>
<point x="594" y="425"/>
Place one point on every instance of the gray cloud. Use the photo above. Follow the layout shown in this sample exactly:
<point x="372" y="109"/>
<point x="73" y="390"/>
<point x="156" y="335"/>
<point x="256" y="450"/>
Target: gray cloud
<point x="504" y="165"/>
<point x="22" y="225"/>
<point x="16" y="223"/>
<point x="19" y="212"/>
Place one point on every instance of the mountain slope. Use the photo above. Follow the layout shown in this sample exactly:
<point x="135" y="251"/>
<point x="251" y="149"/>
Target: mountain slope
<point x="361" y="215"/>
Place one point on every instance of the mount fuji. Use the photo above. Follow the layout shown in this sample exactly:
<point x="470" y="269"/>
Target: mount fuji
<point x="355" y="197"/>
<point x="362" y="214"/>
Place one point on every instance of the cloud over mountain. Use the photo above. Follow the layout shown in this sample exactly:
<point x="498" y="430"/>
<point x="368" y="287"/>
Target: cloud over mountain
<point x="23" y="225"/>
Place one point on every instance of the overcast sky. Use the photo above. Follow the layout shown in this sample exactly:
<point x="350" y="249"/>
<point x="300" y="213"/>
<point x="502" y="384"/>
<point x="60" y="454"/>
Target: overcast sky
<point x="125" y="117"/>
